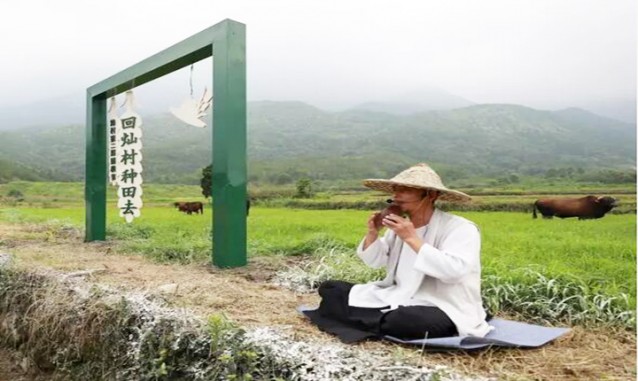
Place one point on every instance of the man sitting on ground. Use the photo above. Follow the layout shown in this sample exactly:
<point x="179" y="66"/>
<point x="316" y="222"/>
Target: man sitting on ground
<point x="432" y="258"/>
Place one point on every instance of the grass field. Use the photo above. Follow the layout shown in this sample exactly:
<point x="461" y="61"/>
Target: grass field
<point x="601" y="253"/>
<point x="38" y="194"/>
<point x="571" y="273"/>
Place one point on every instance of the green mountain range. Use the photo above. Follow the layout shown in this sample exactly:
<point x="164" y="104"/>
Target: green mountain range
<point x="290" y="140"/>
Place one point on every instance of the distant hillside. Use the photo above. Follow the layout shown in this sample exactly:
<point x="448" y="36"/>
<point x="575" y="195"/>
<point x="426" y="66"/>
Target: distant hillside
<point x="287" y="140"/>
<point x="54" y="153"/>
<point x="426" y="99"/>
<point x="10" y="171"/>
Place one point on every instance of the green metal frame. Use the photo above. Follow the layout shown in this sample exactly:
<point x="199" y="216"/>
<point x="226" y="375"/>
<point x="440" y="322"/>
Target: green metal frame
<point x="226" y="42"/>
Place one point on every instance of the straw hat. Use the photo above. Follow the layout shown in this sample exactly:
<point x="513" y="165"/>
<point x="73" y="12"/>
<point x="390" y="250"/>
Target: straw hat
<point x="420" y="176"/>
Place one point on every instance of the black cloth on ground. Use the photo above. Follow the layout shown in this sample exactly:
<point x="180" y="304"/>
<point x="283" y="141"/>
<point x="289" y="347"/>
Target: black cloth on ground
<point x="353" y="324"/>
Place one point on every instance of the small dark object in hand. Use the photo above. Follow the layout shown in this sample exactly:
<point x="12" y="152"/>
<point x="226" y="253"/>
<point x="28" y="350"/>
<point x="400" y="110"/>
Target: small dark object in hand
<point x="391" y="209"/>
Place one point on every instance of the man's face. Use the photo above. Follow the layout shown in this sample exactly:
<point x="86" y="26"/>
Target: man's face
<point x="408" y="199"/>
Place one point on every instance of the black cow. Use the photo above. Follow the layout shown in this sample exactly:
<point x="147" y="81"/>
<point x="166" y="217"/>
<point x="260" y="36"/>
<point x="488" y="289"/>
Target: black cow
<point x="587" y="207"/>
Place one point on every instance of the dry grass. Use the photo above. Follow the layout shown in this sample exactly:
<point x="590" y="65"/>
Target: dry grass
<point x="247" y="297"/>
<point x="10" y="369"/>
<point x="579" y="355"/>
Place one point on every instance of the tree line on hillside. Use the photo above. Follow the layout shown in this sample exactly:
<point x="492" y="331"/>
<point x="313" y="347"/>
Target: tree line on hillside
<point x="11" y="171"/>
<point x="288" y="141"/>
<point x="286" y="175"/>
<point x="579" y="175"/>
<point x="304" y="185"/>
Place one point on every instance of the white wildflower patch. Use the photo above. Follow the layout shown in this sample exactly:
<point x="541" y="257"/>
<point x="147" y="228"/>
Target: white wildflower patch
<point x="5" y="259"/>
<point x="332" y="263"/>
<point x="325" y="361"/>
<point x="303" y="279"/>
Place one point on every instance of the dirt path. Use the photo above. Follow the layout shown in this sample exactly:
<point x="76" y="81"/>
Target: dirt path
<point x="248" y="297"/>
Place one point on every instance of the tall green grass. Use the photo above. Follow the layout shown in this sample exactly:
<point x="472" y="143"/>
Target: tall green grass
<point x="598" y="251"/>
<point x="57" y="194"/>
<point x="512" y="197"/>
<point x="525" y="293"/>
<point x="603" y="250"/>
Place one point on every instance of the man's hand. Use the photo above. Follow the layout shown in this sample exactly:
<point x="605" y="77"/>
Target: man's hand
<point x="372" y="227"/>
<point x="373" y="231"/>
<point x="404" y="229"/>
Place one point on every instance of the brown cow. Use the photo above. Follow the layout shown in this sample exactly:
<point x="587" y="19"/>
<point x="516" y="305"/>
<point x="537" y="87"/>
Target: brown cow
<point x="181" y="206"/>
<point x="190" y="207"/>
<point x="584" y="208"/>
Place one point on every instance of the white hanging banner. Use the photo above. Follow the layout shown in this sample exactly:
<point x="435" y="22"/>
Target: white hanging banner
<point x="129" y="161"/>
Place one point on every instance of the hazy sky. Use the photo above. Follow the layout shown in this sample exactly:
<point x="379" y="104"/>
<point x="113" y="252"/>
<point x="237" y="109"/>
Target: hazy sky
<point x="531" y="52"/>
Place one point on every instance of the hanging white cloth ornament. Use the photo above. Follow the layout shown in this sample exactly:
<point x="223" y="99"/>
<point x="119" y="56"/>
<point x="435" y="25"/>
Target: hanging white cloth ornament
<point x="191" y="110"/>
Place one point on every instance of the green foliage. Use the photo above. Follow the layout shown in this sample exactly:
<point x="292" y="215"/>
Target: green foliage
<point x="206" y="182"/>
<point x="304" y="188"/>
<point x="260" y="192"/>
<point x="558" y="247"/>
<point x="165" y="235"/>
<point x="517" y="201"/>
<point x="609" y="176"/>
<point x="603" y="176"/>
<point x="15" y="193"/>
<point x="60" y="194"/>
<point x="41" y="192"/>
<point x="125" y="231"/>
<point x="48" y="153"/>
<point x="218" y="326"/>
<point x="10" y="170"/>
<point x="564" y="299"/>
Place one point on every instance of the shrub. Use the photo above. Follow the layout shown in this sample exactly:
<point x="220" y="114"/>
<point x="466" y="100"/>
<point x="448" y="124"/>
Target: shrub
<point x="304" y="188"/>
<point x="16" y="194"/>
<point x="97" y="334"/>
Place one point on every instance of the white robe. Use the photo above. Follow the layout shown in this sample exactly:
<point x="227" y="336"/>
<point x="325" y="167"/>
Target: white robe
<point x="447" y="273"/>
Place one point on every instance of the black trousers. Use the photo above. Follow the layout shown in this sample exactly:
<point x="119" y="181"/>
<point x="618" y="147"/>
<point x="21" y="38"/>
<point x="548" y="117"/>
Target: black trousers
<point x="352" y="324"/>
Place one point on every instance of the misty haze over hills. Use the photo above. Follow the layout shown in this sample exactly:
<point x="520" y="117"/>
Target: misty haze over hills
<point x="71" y="108"/>
<point x="427" y="99"/>
<point x="290" y="140"/>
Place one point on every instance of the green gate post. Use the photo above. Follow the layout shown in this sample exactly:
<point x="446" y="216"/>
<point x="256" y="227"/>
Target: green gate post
<point x="229" y="149"/>
<point x="95" y="187"/>
<point x="226" y="42"/>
